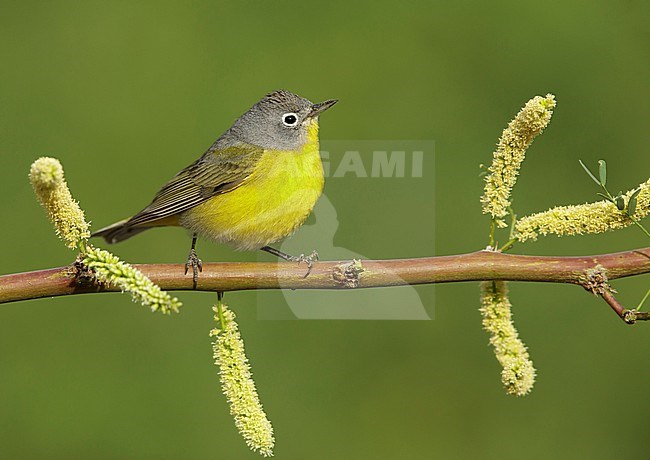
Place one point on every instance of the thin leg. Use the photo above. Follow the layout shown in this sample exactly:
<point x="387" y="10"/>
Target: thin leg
<point x="194" y="261"/>
<point x="309" y="260"/>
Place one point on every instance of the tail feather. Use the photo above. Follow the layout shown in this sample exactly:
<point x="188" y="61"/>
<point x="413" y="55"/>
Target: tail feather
<point x="119" y="231"/>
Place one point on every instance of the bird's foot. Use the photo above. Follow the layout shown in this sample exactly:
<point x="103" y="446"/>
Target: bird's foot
<point x="309" y="260"/>
<point x="196" y="264"/>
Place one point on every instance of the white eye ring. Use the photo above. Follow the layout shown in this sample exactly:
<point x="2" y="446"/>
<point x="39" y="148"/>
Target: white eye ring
<point x="290" y="119"/>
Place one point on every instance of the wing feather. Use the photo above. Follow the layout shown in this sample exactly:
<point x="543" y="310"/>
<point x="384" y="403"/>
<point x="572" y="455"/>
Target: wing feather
<point x="217" y="171"/>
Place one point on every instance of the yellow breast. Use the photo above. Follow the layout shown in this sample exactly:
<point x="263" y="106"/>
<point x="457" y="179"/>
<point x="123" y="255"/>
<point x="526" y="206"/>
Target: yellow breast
<point x="271" y="203"/>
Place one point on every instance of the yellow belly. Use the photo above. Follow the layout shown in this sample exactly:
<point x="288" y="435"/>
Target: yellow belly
<point x="270" y="205"/>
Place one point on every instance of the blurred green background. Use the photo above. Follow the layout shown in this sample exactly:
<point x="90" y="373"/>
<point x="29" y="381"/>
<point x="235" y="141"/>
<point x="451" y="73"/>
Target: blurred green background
<point x="127" y="93"/>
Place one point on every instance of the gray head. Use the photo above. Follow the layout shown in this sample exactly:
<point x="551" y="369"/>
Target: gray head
<point x="279" y="121"/>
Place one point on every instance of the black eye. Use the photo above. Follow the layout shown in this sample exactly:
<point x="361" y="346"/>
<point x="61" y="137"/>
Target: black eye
<point x="290" y="119"/>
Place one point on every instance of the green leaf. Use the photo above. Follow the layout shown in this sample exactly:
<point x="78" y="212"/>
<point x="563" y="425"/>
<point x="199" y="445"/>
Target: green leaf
<point x="620" y="202"/>
<point x="631" y="204"/>
<point x="602" y="172"/>
<point x="607" y="198"/>
<point x="643" y="300"/>
<point x="589" y="172"/>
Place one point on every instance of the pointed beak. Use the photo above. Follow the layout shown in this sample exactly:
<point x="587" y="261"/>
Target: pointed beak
<point x="316" y="109"/>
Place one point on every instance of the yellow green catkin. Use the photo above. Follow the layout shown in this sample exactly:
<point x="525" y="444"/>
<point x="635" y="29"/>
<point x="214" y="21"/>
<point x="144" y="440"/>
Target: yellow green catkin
<point x="238" y="385"/>
<point x="46" y="176"/>
<point x="109" y="269"/>
<point x="518" y="373"/>
<point x="598" y="217"/>
<point x="510" y="153"/>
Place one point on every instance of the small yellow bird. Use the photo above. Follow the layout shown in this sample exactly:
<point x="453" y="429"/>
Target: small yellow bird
<point x="253" y="187"/>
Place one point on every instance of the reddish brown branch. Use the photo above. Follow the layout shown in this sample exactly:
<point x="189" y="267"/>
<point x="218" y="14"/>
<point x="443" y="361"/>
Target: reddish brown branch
<point x="482" y="265"/>
<point x="612" y="302"/>
<point x="629" y="316"/>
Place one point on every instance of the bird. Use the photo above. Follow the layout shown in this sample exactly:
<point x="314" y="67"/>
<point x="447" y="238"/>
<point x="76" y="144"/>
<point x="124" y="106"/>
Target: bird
<point x="255" y="185"/>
